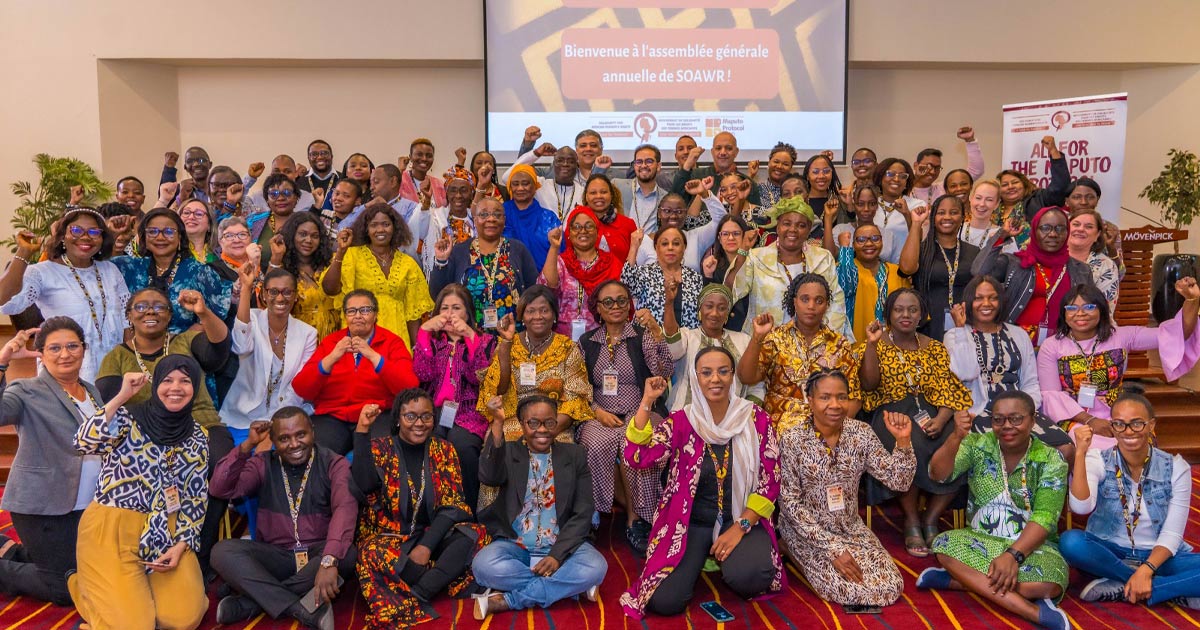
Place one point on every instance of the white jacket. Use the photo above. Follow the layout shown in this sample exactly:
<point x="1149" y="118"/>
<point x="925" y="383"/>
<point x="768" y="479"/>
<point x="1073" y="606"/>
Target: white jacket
<point x="247" y="397"/>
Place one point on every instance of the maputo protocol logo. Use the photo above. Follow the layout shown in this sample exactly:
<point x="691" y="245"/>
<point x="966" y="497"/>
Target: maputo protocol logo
<point x="1060" y="119"/>
<point x="644" y="124"/>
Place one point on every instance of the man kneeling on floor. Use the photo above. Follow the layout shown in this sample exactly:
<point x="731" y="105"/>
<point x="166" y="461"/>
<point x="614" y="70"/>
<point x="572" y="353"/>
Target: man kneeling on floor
<point x="306" y="515"/>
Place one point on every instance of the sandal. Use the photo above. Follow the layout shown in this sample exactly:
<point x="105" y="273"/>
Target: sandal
<point x="929" y="532"/>
<point x="914" y="542"/>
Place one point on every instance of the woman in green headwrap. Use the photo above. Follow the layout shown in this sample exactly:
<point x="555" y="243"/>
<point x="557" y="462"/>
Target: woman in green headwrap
<point x="715" y="303"/>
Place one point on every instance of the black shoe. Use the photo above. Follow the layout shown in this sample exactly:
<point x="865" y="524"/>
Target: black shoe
<point x="235" y="608"/>
<point x="321" y="618"/>
<point x="638" y="537"/>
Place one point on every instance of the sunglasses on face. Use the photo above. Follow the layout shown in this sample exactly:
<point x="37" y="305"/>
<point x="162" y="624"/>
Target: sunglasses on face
<point x="154" y="232"/>
<point x="618" y="302"/>
<point x="276" y="194"/>
<point x="1012" y="421"/>
<point x="78" y="231"/>
<point x="196" y="160"/>
<point x="1074" y="308"/>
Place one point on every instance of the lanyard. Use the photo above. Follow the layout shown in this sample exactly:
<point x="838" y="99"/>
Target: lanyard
<point x="1024" y="478"/>
<point x="803" y="267"/>
<point x="416" y="506"/>
<point x="273" y="384"/>
<point x="566" y="196"/>
<point x="166" y="349"/>
<point x="1050" y="290"/>
<point x="913" y="387"/>
<point x="87" y="294"/>
<point x="722" y="470"/>
<point x="1131" y="523"/>
<point x="294" y="503"/>
<point x="490" y="271"/>
<point x="952" y="270"/>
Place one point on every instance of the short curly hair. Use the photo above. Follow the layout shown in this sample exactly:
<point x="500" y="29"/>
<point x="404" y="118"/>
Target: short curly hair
<point x="401" y="235"/>
<point x="789" y="296"/>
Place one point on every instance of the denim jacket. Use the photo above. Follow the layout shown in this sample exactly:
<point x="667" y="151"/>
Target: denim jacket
<point x="1108" y="522"/>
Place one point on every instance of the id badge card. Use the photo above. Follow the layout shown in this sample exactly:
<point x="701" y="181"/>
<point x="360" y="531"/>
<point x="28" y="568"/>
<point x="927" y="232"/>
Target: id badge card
<point x="578" y="327"/>
<point x="1087" y="395"/>
<point x="491" y="318"/>
<point x="947" y="320"/>
<point x="921" y="417"/>
<point x="835" y="500"/>
<point x="1041" y="336"/>
<point x="528" y="375"/>
<point x="449" y="411"/>
<point x="1131" y="562"/>
<point x="300" y="554"/>
<point x="609" y="383"/>
<point x="171" y="494"/>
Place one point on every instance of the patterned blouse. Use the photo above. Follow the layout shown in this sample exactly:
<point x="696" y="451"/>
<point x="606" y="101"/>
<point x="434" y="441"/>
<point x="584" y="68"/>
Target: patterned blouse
<point x="491" y="280"/>
<point x="450" y="371"/>
<point x="616" y="357"/>
<point x="561" y="375"/>
<point x="537" y="523"/>
<point x="1106" y="277"/>
<point x="188" y="273"/>
<point x="403" y="294"/>
<point x="1038" y="481"/>
<point x="572" y="301"/>
<point x="136" y="472"/>
<point x="786" y="366"/>
<point x="925" y="371"/>
<point x="314" y="307"/>
<point x="646" y="287"/>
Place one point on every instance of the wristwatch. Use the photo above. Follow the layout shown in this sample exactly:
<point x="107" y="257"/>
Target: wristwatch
<point x="1020" y="557"/>
<point x="328" y="562"/>
<point x="745" y="525"/>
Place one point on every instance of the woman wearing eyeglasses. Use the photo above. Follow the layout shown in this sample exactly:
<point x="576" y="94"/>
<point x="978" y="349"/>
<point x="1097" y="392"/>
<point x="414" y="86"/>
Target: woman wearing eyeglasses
<point x="165" y="265"/>
<point x="282" y="197"/>
<point x="862" y="163"/>
<point x="864" y="197"/>
<point x="1020" y="199"/>
<point x="1087" y="243"/>
<point x="867" y="280"/>
<point x="621" y="357"/>
<point x="823" y="185"/>
<point x="200" y="226"/>
<point x="1137" y="500"/>
<point x="575" y="273"/>
<point x="1036" y="278"/>
<point x="361" y="364"/>
<point x="734" y="236"/>
<point x="1082" y="366"/>
<point x="304" y="248"/>
<point x="1007" y="554"/>
<point x="894" y="178"/>
<point x="75" y="281"/>
<point x="416" y="536"/>
<point x="720" y="492"/>
<point x="494" y="269"/>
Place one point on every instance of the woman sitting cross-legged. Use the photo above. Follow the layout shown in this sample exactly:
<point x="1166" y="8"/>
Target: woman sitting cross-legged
<point x="1007" y="555"/>
<point x="723" y="453"/>
<point x="1138" y="497"/>
<point x="822" y="459"/>
<point x="541" y="518"/>
<point x="415" y="537"/>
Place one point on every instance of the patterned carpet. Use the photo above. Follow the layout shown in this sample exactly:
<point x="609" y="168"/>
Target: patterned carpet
<point x="795" y="609"/>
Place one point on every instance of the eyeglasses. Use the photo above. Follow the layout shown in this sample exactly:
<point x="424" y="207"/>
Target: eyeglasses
<point x="192" y="214"/>
<point x="351" y="311"/>
<point x="156" y="307"/>
<point x="71" y="348"/>
<point x="196" y="160"/>
<point x="617" y="302"/>
<point x="862" y="162"/>
<point x="672" y="212"/>
<point x="236" y="236"/>
<point x="479" y="216"/>
<point x="1137" y="426"/>
<point x="893" y="175"/>
<point x="730" y="234"/>
<point x="533" y="424"/>
<point x="1052" y="229"/>
<point x="708" y="372"/>
<point x="324" y="154"/>
<point x="216" y="186"/>
<point x="873" y="238"/>
<point x="645" y="162"/>
<point x="287" y="294"/>
<point x="583" y="227"/>
<point x="1012" y="421"/>
<point x="78" y="231"/>
<point x="820" y="171"/>
<point x="929" y="168"/>
<point x="413" y="418"/>
<point x="1073" y="308"/>
<point x="276" y="194"/>
<point x="168" y="232"/>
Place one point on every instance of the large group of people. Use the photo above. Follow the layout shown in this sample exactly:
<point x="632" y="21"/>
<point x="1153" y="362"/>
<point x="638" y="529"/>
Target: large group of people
<point x="415" y="385"/>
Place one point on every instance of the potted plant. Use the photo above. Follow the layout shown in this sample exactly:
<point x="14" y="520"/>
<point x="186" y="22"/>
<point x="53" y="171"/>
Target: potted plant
<point x="42" y="206"/>
<point x="1177" y="191"/>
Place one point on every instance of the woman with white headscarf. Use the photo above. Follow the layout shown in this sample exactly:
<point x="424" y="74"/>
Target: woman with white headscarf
<point x="717" y="504"/>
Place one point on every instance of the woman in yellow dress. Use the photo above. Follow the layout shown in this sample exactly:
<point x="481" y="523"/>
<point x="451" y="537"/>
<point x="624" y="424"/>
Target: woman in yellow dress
<point x="304" y="248"/>
<point x="370" y="257"/>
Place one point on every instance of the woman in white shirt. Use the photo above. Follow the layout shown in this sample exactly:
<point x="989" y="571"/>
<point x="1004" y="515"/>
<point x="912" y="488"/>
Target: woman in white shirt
<point x="1138" y="497"/>
<point x="271" y="346"/>
<point x="894" y="178"/>
<point x="979" y="225"/>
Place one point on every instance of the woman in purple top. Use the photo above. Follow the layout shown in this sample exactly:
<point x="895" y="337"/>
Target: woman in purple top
<point x="448" y="355"/>
<point x="723" y="455"/>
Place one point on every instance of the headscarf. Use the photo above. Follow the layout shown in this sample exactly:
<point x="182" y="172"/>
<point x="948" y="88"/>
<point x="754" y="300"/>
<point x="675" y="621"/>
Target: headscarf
<point x="458" y="172"/>
<point x="770" y="217"/>
<point x="605" y="267"/>
<point x="719" y="289"/>
<point x="530" y="226"/>
<point x="1034" y="254"/>
<point x="162" y="426"/>
<point x="737" y="427"/>
<point x="528" y="170"/>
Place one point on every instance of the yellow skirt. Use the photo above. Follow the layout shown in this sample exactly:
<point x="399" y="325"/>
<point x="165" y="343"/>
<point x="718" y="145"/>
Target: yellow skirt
<point x="112" y="590"/>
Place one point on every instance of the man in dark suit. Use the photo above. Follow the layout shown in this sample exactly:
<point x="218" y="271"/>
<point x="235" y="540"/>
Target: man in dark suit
<point x="540" y="520"/>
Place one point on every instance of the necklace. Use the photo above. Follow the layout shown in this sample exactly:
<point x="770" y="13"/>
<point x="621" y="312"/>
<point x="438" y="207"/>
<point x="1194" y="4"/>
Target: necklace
<point x="722" y="471"/>
<point x="416" y="507"/>
<point x="914" y="387"/>
<point x="174" y="267"/>
<point x="803" y="266"/>
<point x="95" y="405"/>
<point x="276" y="337"/>
<point x="888" y="208"/>
<point x="385" y="262"/>
<point x="541" y="345"/>
<point x="1024" y="478"/>
<point x="166" y="349"/>
<point x="951" y="270"/>
<point x="294" y="502"/>
<point x="96" y="319"/>
<point x="998" y="366"/>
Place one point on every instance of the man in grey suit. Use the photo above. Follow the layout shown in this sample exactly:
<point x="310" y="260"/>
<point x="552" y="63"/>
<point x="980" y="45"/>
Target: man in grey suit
<point x="642" y="194"/>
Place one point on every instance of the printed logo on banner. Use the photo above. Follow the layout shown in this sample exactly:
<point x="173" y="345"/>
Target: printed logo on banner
<point x="1060" y="119"/>
<point x="645" y="124"/>
<point x="712" y="127"/>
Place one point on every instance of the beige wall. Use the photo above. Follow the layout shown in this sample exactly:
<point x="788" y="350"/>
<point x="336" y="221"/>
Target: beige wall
<point x="118" y="83"/>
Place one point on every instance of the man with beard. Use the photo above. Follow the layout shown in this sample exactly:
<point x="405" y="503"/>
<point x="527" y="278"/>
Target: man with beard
<point x="642" y="193"/>
<point x="724" y="156"/>
<point x="321" y="175"/>
<point x="196" y="163"/>
<point x="562" y="193"/>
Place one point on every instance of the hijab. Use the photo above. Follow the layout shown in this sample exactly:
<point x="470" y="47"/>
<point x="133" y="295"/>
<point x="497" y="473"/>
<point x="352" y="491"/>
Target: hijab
<point x="737" y="427"/>
<point x="164" y="427"/>
<point x="605" y="267"/>
<point x="1054" y="264"/>
<point x="528" y="170"/>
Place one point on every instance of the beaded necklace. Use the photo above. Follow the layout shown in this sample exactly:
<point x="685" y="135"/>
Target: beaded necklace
<point x="87" y="294"/>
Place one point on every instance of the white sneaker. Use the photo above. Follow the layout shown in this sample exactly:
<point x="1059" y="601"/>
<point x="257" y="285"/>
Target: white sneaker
<point x="593" y="593"/>
<point x="481" y="604"/>
<point x="1103" y="590"/>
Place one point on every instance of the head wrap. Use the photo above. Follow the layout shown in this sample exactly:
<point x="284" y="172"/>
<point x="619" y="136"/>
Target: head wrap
<point x="162" y="426"/>
<point x="605" y="267"/>
<point x="458" y="172"/>
<point x="770" y="218"/>
<point x="1084" y="181"/>
<point x="528" y="170"/>
<point x="719" y="289"/>
<point x="1033" y="252"/>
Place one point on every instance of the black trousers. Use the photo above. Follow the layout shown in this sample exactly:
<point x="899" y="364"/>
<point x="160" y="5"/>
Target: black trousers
<point x="468" y="447"/>
<point x="452" y="557"/>
<point x="747" y="571"/>
<point x="267" y="574"/>
<point x="220" y="442"/>
<point x="338" y="435"/>
<point x="38" y="567"/>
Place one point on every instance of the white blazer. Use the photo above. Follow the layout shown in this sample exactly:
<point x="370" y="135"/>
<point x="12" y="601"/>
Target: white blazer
<point x="960" y="345"/>
<point x="247" y="397"/>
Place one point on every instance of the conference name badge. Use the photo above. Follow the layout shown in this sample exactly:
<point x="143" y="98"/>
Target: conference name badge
<point x="610" y="382"/>
<point x="1087" y="395"/>
<point x="578" y="327"/>
<point x="300" y="554"/>
<point x="491" y="318"/>
<point x="449" y="411"/>
<point x="171" y="494"/>
<point x="834" y="499"/>
<point x="528" y="375"/>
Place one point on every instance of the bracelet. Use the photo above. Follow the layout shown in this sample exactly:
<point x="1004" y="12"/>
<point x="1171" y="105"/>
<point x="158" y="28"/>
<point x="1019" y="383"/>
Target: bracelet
<point x="1193" y="300"/>
<point x="440" y="264"/>
<point x="4" y="368"/>
<point x="24" y="260"/>
<point x="481" y="191"/>
<point x="1153" y="567"/>
<point x="743" y="252"/>
<point x="271" y="265"/>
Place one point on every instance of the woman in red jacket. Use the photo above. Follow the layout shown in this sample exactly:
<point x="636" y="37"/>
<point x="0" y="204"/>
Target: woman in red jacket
<point x="358" y="365"/>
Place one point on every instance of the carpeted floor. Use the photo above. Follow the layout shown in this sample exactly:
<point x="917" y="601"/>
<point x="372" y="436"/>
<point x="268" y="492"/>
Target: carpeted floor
<point x="795" y="609"/>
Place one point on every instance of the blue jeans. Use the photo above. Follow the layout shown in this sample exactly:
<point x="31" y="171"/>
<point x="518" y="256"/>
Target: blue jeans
<point x="1179" y="576"/>
<point x="504" y="566"/>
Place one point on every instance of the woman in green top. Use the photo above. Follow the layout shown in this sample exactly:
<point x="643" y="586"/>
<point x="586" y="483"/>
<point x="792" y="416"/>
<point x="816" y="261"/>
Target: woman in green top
<point x="1008" y="554"/>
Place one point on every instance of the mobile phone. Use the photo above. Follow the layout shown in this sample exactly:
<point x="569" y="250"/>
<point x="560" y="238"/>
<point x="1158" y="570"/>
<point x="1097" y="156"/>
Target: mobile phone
<point x="861" y="609"/>
<point x="717" y="612"/>
<point x="153" y="564"/>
